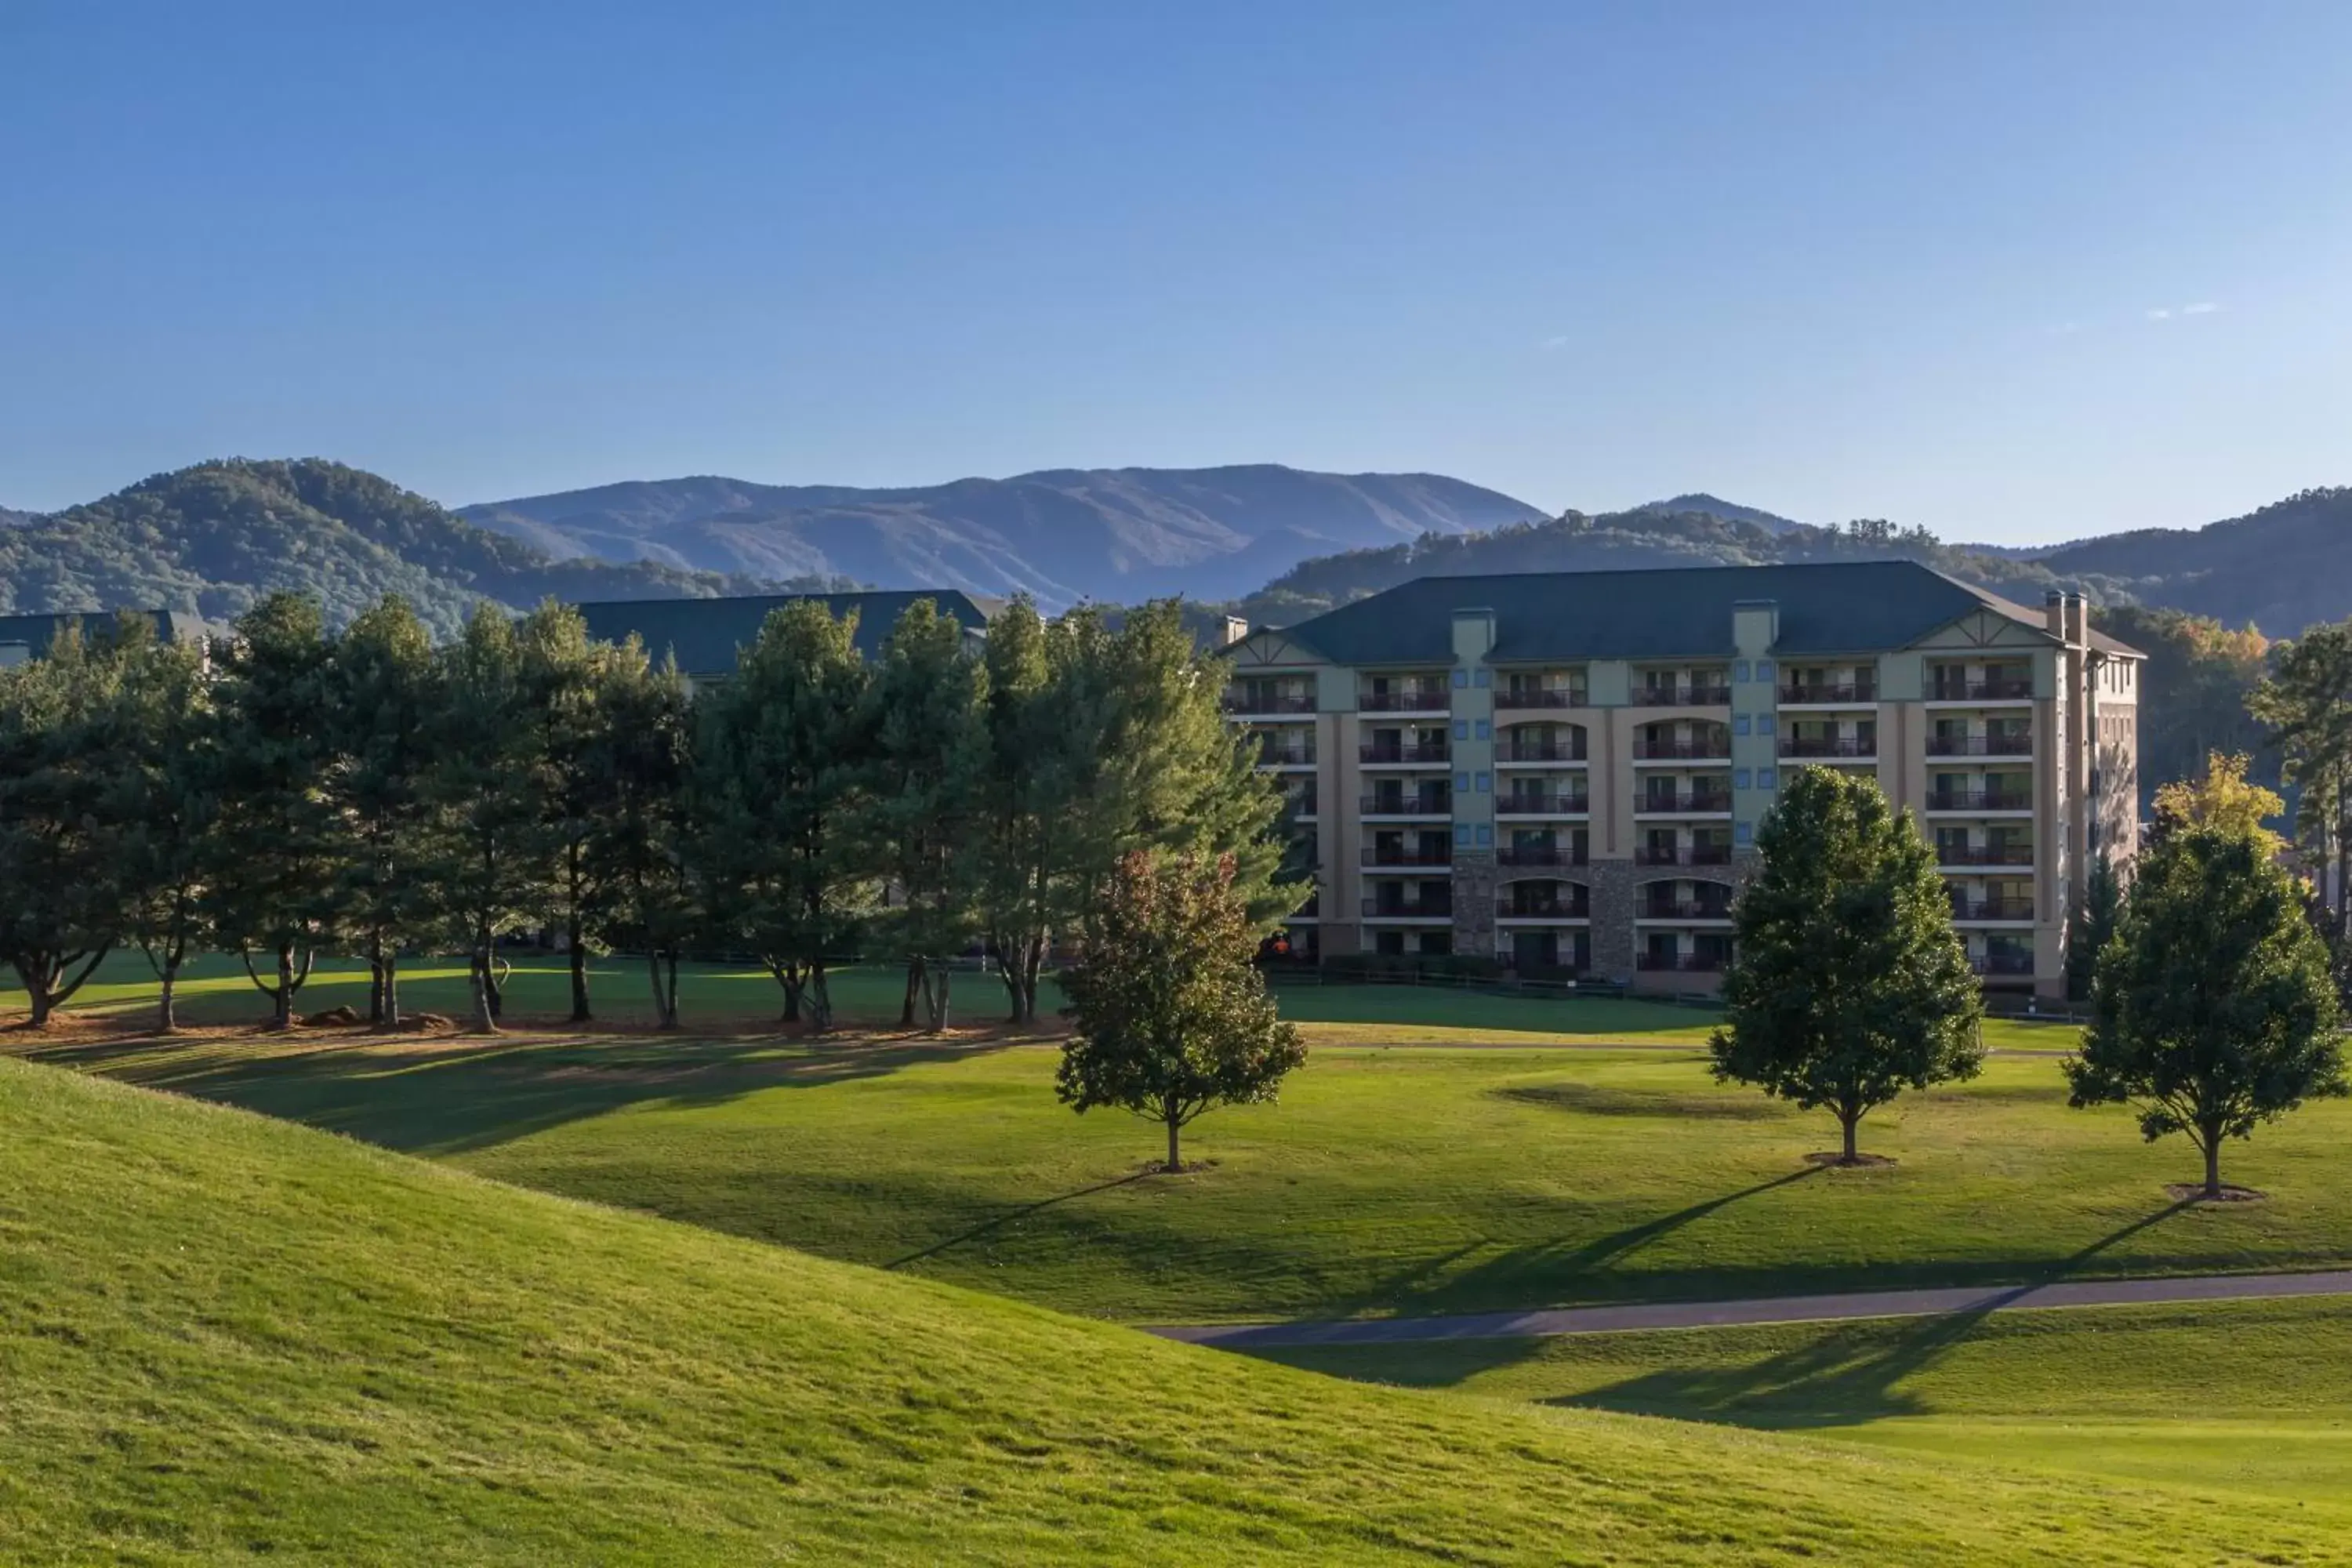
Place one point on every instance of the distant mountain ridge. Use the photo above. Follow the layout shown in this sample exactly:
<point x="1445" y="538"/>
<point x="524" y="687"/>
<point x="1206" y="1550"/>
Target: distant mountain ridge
<point x="1731" y="512"/>
<point x="1061" y="535"/>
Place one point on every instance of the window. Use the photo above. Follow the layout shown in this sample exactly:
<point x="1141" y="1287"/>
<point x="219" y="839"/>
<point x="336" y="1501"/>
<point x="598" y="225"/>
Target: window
<point x="1764" y="724"/>
<point x="1482" y="678"/>
<point x="1740" y="724"/>
<point x="1460" y="678"/>
<point x="1739" y="671"/>
<point x="1740" y="778"/>
<point x="1764" y="779"/>
<point x="1486" y="835"/>
<point x="1763" y="670"/>
<point x="1485" y="729"/>
<point x="1743" y="833"/>
<point x="1462" y="783"/>
<point x="1462" y="730"/>
<point x="1461" y="833"/>
<point x="1486" y="782"/>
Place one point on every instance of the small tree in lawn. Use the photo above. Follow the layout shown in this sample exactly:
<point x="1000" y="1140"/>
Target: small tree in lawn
<point x="1172" y="1016"/>
<point x="1848" y="983"/>
<point x="2213" y="1009"/>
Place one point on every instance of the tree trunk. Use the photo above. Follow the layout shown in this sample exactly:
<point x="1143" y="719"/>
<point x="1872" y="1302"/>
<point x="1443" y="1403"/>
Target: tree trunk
<point x="914" y="984"/>
<point x="1032" y="965"/>
<point x="1175" y="1163"/>
<point x="938" y="979"/>
<point x="669" y="990"/>
<point x="485" y="1021"/>
<point x="392" y="990"/>
<point x="1849" y="1120"/>
<point x="493" y="981"/>
<point x="375" y="982"/>
<point x="820" y="998"/>
<point x="40" y="981"/>
<point x="167" y="1014"/>
<point x="282" y="1013"/>
<point x="580" y="1010"/>
<point x="794" y="980"/>
<point x="2212" y="1165"/>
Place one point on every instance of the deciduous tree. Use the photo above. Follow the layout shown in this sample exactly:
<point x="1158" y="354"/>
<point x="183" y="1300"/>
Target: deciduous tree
<point x="2213" y="1010"/>
<point x="1171" y="1015"/>
<point x="1848" y="983"/>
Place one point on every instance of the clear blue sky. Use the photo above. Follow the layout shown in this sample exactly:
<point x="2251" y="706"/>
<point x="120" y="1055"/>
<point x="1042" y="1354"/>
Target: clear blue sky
<point x="2011" y="271"/>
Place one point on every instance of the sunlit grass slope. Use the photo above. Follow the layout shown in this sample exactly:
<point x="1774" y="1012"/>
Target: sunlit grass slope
<point x="1403" y="1181"/>
<point x="2253" y="1396"/>
<point x="226" y="1339"/>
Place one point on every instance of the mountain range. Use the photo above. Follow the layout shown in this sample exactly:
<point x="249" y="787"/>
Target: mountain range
<point x="1060" y="535"/>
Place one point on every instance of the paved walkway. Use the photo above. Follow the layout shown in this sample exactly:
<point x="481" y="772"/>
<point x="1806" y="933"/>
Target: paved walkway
<point x="1767" y="1310"/>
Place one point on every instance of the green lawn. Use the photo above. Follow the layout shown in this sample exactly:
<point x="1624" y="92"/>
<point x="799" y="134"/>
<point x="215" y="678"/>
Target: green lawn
<point x="2253" y="1397"/>
<point x="225" y="1339"/>
<point x="1386" y="1181"/>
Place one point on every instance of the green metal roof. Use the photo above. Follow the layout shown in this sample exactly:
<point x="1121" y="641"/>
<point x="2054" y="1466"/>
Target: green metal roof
<point x="704" y="633"/>
<point x="1862" y="606"/>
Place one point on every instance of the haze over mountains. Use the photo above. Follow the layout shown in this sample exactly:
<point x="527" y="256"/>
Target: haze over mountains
<point x="1061" y="535"/>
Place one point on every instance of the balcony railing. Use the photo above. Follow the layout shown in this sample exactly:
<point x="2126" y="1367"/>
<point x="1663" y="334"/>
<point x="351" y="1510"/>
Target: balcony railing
<point x="1716" y="751"/>
<point x="2003" y="690"/>
<point x="1685" y="854"/>
<point x="1696" y="801"/>
<point x="1404" y="701"/>
<point x="1542" y="751"/>
<point x="1410" y="909"/>
<point x="1993" y="908"/>
<point x="1684" y="909"/>
<point x="1376" y="856"/>
<point x="1984" y="854"/>
<point x="1403" y="752"/>
<point x="2002" y="964"/>
<point x="1684" y="963"/>
<point x="1684" y="696"/>
<point x="1540" y="697"/>
<point x="1980" y="745"/>
<point x="1829" y="691"/>
<point x="1979" y="800"/>
<point x="1439" y="803"/>
<point x="1285" y="702"/>
<point x="1827" y="746"/>
<point x="1543" y="909"/>
<point x="1524" y="804"/>
<point x="1269" y="756"/>
<point x="1540" y="854"/>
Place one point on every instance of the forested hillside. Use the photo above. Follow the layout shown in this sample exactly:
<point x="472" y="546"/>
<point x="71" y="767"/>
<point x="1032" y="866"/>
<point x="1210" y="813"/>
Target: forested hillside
<point x="215" y="538"/>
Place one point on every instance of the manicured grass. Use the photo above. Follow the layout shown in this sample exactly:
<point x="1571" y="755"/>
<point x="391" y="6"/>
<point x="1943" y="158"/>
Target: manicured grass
<point x="225" y="1340"/>
<point x="2251" y="1396"/>
<point x="1386" y="1181"/>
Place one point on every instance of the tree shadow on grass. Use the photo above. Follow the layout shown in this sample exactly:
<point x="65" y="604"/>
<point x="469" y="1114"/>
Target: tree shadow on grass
<point x="1843" y="1376"/>
<point x="444" y="1096"/>
<point x="988" y="1227"/>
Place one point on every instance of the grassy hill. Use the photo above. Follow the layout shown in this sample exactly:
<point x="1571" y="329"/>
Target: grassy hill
<point x="225" y="1339"/>
<point x="214" y="537"/>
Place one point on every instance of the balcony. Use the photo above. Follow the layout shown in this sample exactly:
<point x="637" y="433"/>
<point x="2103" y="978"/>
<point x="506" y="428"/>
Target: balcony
<point x="1404" y="701"/>
<point x="1999" y="963"/>
<point x="1980" y="745"/>
<point x="1426" y="752"/>
<point x="1540" y="697"/>
<point x="1681" y="963"/>
<point x="1529" y="803"/>
<point x="1541" y="752"/>
<point x="1854" y="692"/>
<point x="1984" y="854"/>
<point x="1409" y="909"/>
<point x="1509" y="909"/>
<point x="1716" y="751"/>
<point x="1288" y="702"/>
<point x="1683" y="909"/>
<point x="1540" y="854"/>
<point x="1979" y="800"/>
<point x="1827" y="746"/>
<point x="1998" y="690"/>
<point x="1993" y="908"/>
<point x="1409" y="859"/>
<point x="1682" y="697"/>
<point x="1696" y="803"/>
<point x="1687" y="855"/>
<point x="1431" y="802"/>
<point x="1270" y="755"/>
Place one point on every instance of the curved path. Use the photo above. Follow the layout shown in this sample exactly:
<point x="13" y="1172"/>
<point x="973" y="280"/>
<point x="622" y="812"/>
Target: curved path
<point x="1765" y="1310"/>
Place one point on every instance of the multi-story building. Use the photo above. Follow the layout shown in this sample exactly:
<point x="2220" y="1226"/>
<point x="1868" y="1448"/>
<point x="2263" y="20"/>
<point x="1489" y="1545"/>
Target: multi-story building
<point x="1565" y="770"/>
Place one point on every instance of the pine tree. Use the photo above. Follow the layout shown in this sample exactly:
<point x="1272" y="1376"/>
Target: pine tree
<point x="1169" y="1012"/>
<point x="171" y="778"/>
<point x="2094" y="927"/>
<point x="642" y="842"/>
<point x="1848" y="981"/>
<point x="2306" y="701"/>
<point x="383" y="699"/>
<point x="488" y="784"/>
<point x="564" y="675"/>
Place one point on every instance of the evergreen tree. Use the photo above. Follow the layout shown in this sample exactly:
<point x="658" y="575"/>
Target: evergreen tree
<point x="171" y="776"/>
<point x="488" y="783"/>
<point x="384" y="699"/>
<point x="785" y="748"/>
<point x="642" y="842"/>
<point x="1848" y="981"/>
<point x="925" y="791"/>
<point x="63" y="903"/>
<point x="2213" y="1010"/>
<point x="2307" y="702"/>
<point x="1169" y="1012"/>
<point x="564" y="676"/>
<point x="2094" y="927"/>
<point x="271" y="879"/>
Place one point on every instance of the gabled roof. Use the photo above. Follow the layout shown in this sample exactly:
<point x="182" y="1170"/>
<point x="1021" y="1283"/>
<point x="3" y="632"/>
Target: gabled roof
<point x="704" y="633"/>
<point x="1860" y="606"/>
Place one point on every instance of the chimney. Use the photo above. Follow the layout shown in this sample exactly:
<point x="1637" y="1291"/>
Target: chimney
<point x="1236" y="628"/>
<point x="2078" y="627"/>
<point x="2054" y="614"/>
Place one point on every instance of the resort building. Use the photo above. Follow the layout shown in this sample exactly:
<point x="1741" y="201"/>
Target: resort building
<point x="702" y="635"/>
<point x="1565" y="770"/>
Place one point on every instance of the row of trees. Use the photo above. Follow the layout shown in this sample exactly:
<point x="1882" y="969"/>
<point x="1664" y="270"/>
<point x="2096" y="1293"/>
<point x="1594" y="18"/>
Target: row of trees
<point x="292" y="791"/>
<point x="2214" y="1006"/>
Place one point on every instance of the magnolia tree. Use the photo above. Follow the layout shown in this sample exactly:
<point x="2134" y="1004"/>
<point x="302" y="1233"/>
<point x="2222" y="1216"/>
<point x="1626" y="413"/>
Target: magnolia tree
<point x="1172" y="1017"/>
<point x="1849" y="983"/>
